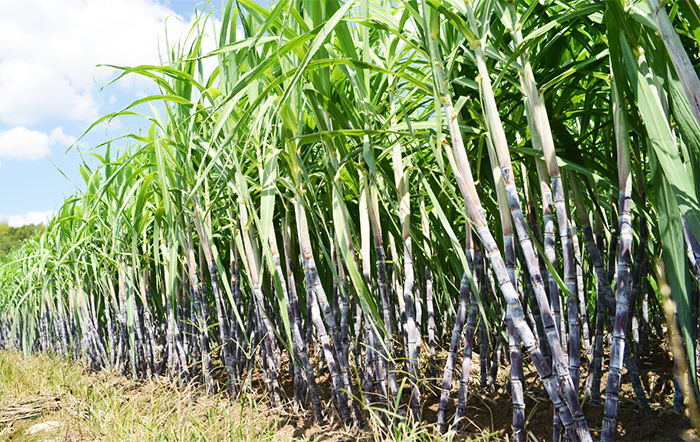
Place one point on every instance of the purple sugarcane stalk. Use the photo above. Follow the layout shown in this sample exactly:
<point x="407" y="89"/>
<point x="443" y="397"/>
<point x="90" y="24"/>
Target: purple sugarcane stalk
<point x="550" y="247"/>
<point x="264" y="327"/>
<point x="292" y="302"/>
<point x="454" y="343"/>
<point x="623" y="266"/>
<point x="571" y="409"/>
<point x="319" y="299"/>
<point x="603" y="290"/>
<point x="301" y="348"/>
<point x="227" y="345"/>
<point x="569" y="281"/>
<point x="469" y="336"/>
<point x="646" y="326"/>
<point x="432" y="366"/>
<point x="385" y="352"/>
<point x="517" y="376"/>
<point x="559" y="364"/>
<point x="483" y="328"/>
<point x="207" y="366"/>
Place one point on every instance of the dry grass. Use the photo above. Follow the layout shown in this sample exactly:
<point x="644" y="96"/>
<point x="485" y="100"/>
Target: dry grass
<point x="108" y="407"/>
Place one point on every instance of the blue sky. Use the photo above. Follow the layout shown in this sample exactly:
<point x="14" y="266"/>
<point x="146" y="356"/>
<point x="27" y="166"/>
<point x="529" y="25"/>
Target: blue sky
<point x="50" y="88"/>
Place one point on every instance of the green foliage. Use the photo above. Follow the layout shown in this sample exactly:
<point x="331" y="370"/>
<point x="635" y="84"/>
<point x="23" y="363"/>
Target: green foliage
<point x="339" y="117"/>
<point x="12" y="237"/>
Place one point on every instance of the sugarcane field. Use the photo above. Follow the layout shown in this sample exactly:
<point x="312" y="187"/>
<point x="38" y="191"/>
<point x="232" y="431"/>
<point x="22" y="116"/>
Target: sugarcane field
<point x="374" y="220"/>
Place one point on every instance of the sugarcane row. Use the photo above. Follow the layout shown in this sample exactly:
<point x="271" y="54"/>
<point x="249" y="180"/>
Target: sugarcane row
<point x="169" y="263"/>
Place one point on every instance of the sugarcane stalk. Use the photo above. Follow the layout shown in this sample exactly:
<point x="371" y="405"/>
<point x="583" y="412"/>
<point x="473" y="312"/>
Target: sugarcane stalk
<point x="475" y="213"/>
<point x="646" y="326"/>
<point x="657" y="311"/>
<point x="466" y="185"/>
<point x="496" y="357"/>
<point x="412" y="332"/>
<point x="206" y="362"/>
<point x="639" y="269"/>
<point x="299" y="342"/>
<point x="630" y="361"/>
<point x="177" y="365"/>
<point x="582" y="306"/>
<point x="597" y="370"/>
<point x="498" y="137"/>
<point x="516" y="380"/>
<point x="636" y="381"/>
<point x="227" y="346"/>
<point x="623" y="264"/>
<point x="483" y="331"/>
<point x="148" y="320"/>
<point x="344" y="310"/>
<point x="357" y="328"/>
<point x="338" y="369"/>
<point x="454" y="343"/>
<point x="541" y="122"/>
<point x="603" y="290"/>
<point x="296" y="353"/>
<point x="538" y="327"/>
<point x="612" y="262"/>
<point x="335" y="289"/>
<point x="379" y="346"/>
<point x="401" y="304"/>
<point x="375" y="367"/>
<point x="182" y="320"/>
<point x="432" y="366"/>
<point x="516" y="364"/>
<point x="463" y="393"/>
<point x="265" y="327"/>
<point x="549" y="245"/>
<point x="140" y="342"/>
<point x="239" y="337"/>
<point x="539" y="119"/>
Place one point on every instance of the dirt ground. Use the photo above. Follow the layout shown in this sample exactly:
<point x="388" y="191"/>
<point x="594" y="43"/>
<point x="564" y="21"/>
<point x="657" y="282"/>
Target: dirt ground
<point x="489" y="415"/>
<point x="493" y="413"/>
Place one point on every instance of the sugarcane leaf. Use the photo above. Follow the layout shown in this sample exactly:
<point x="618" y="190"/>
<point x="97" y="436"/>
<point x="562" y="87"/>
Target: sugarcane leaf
<point x="562" y="18"/>
<point x="691" y="12"/>
<point x="456" y="246"/>
<point x="365" y="296"/>
<point x="673" y="247"/>
<point x="316" y="44"/>
<point x="660" y="136"/>
<point x="688" y="125"/>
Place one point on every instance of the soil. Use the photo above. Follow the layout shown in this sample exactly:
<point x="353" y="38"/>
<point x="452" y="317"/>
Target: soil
<point x="489" y="415"/>
<point x="492" y="413"/>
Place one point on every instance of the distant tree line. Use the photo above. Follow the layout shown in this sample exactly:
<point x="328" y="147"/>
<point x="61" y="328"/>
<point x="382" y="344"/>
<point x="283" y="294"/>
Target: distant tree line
<point x="11" y="237"/>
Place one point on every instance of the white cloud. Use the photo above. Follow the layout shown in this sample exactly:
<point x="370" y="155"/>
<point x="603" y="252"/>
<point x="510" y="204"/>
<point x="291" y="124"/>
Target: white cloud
<point x="49" y="50"/>
<point x="58" y="137"/>
<point x="20" y="143"/>
<point x="28" y="218"/>
<point x="32" y="92"/>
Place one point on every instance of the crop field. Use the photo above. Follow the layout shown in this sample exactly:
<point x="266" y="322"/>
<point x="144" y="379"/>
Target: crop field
<point x="383" y="220"/>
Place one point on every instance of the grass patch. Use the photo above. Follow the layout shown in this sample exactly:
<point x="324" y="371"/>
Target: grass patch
<point x="107" y="407"/>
